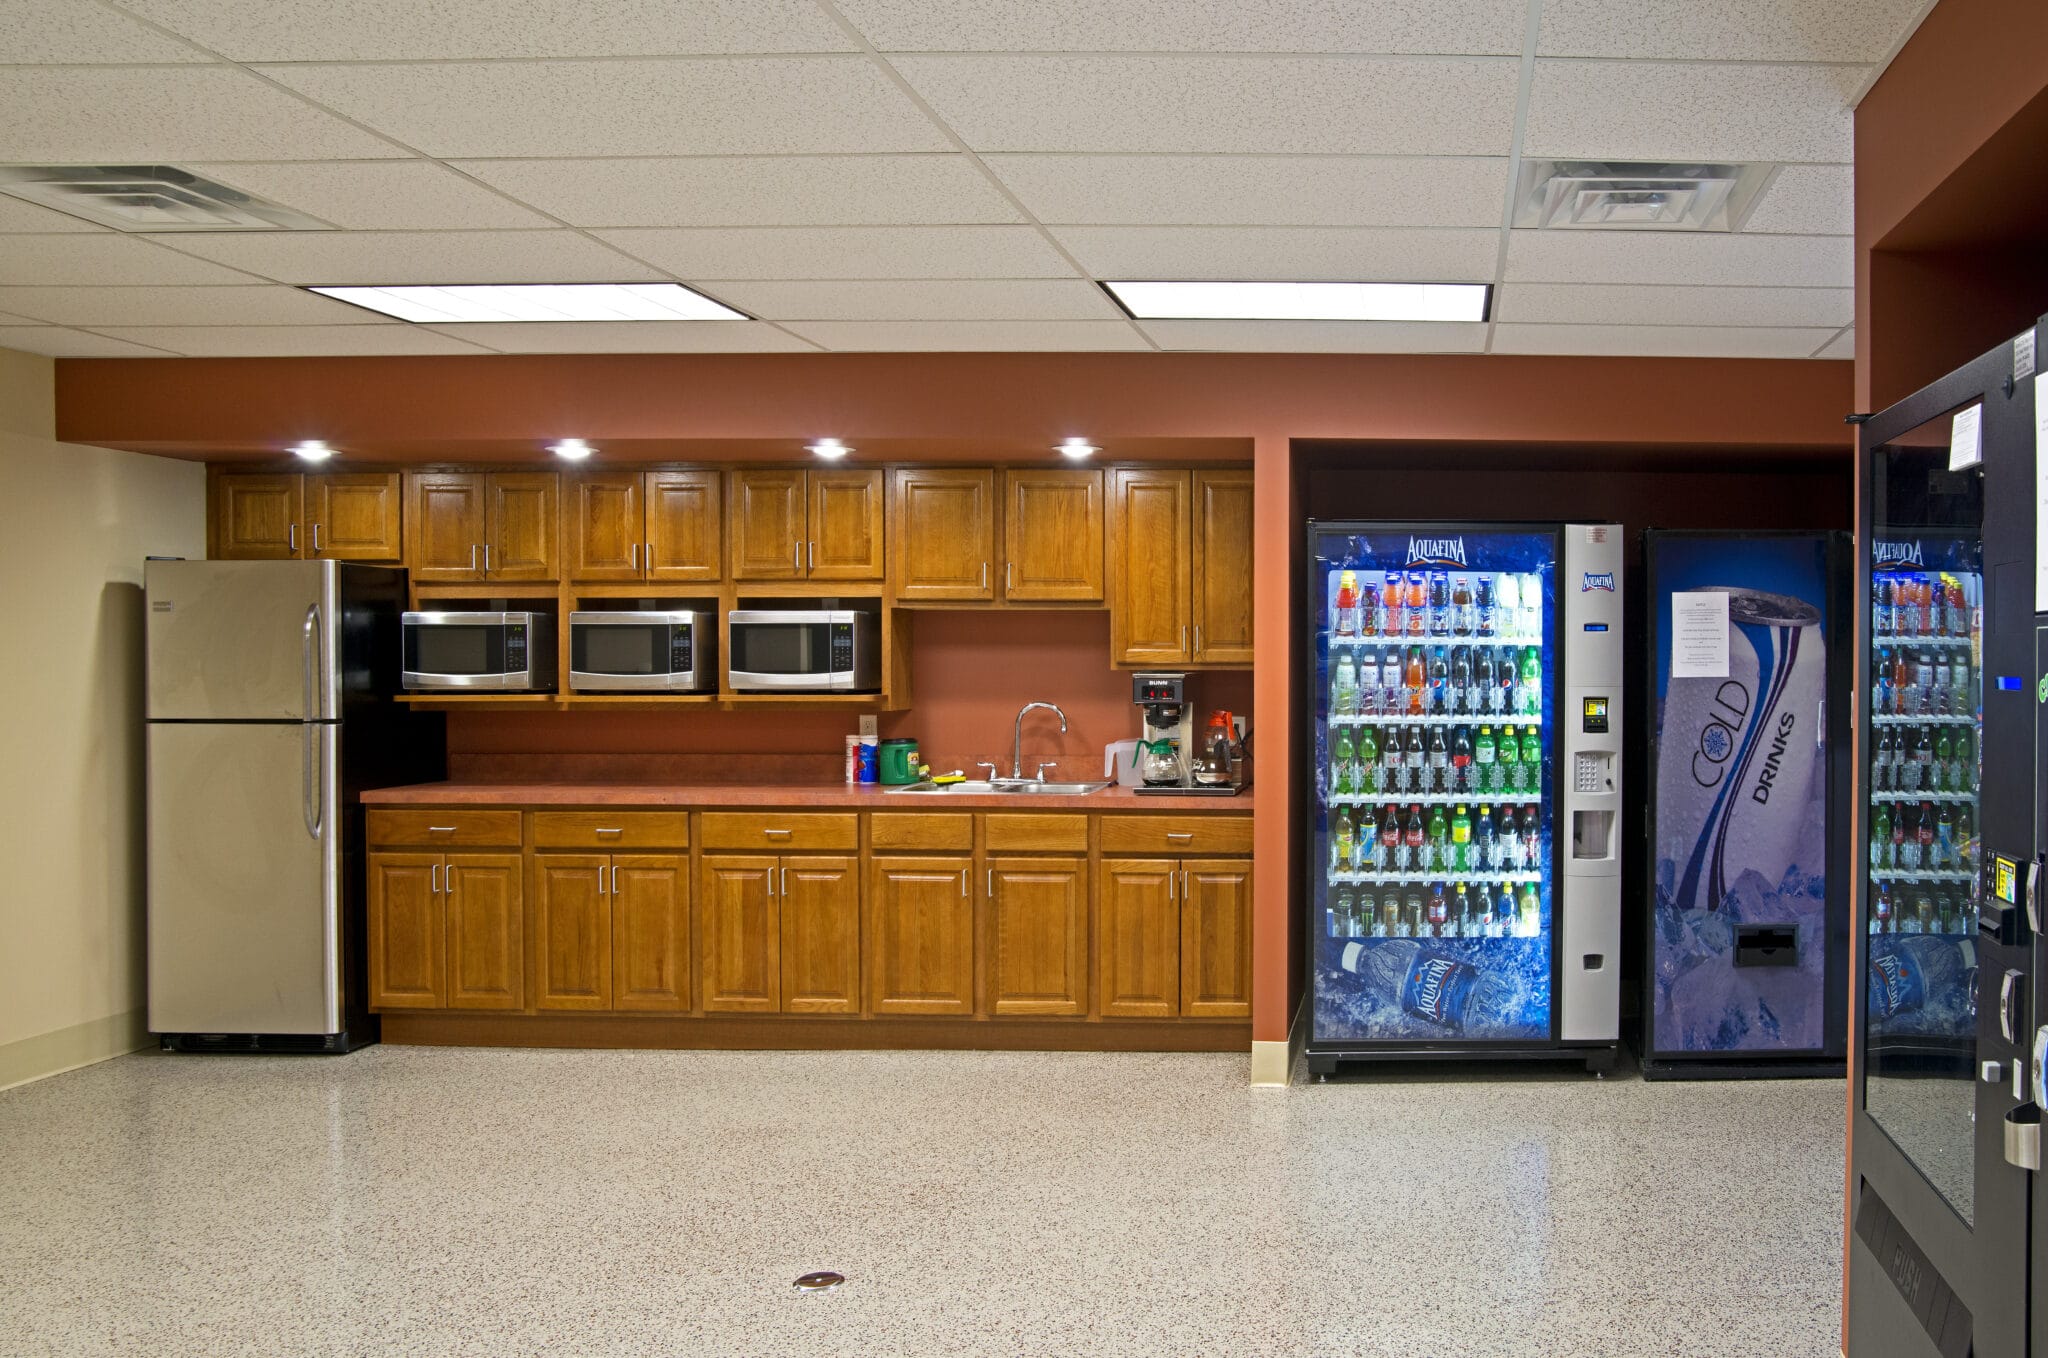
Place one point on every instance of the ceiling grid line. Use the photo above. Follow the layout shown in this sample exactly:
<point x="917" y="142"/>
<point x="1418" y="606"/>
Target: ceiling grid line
<point x="1525" y="84"/>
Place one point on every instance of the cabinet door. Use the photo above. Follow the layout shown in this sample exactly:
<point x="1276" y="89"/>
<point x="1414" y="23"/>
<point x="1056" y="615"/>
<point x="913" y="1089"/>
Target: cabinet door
<point x="486" y="915"/>
<point x="764" y="517"/>
<point x="942" y="533"/>
<point x="683" y="517"/>
<point x="1216" y="938"/>
<point x="572" y="932"/>
<point x="651" y="932"/>
<point x="444" y="524"/>
<point x="1052" y="535"/>
<point x="1148" y="577"/>
<point x="820" y="936"/>
<point x="354" y="516"/>
<point x="919" y="949"/>
<point x="845" y="516"/>
<point x="1137" y="951"/>
<point x="1038" y="936"/>
<point x="256" y="518"/>
<point x="739" y="966"/>
<point x="605" y="526"/>
<point x="407" y="942"/>
<point x="1222" y="574"/>
<point x="522" y="525"/>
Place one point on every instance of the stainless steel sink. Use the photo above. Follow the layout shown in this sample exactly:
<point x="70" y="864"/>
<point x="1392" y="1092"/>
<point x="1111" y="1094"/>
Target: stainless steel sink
<point x="984" y="789"/>
<point x="1053" y="789"/>
<point x="944" y="789"/>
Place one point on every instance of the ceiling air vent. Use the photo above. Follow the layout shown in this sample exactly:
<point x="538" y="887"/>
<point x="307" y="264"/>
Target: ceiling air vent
<point x="150" y="198"/>
<point x="1622" y="195"/>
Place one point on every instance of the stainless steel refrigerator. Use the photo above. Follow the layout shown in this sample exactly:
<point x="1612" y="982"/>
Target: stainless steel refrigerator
<point x="269" y="709"/>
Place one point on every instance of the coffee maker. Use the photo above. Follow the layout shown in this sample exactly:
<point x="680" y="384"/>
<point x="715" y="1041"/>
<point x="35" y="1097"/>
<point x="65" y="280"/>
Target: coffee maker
<point x="1163" y="736"/>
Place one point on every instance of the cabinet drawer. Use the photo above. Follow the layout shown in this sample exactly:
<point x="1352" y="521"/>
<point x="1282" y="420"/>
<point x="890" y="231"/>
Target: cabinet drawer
<point x="441" y="828"/>
<point x="611" y="829"/>
<point x="774" y="830"/>
<point x="1177" y="834"/>
<point x="913" y="830"/>
<point x="1023" y="834"/>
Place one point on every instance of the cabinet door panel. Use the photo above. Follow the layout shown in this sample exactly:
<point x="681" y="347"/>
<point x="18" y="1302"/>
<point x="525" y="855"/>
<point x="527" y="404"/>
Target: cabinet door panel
<point x="651" y="932"/>
<point x="605" y="527"/>
<point x="1053" y="536"/>
<point x="919" y="949"/>
<point x="1222" y="568"/>
<point x="486" y="910"/>
<point x="845" y="518"/>
<point x="255" y="518"/>
<point x="1148" y="546"/>
<point x="522" y="523"/>
<point x="1137" y="954"/>
<point x="739" y="938"/>
<point x="765" y="520"/>
<point x="407" y="943"/>
<point x="683" y="534"/>
<point x="444" y="523"/>
<point x="354" y="516"/>
<point x="572" y="933"/>
<point x="1038" y="935"/>
<point x="942" y="533"/>
<point x="1216" y="938"/>
<point x="820" y="936"/>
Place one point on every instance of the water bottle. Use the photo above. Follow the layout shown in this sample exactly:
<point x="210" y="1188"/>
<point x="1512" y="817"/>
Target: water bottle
<point x="1510" y="607"/>
<point x="1532" y="608"/>
<point x="1437" y="989"/>
<point x="1343" y="687"/>
<point x="1909" y="973"/>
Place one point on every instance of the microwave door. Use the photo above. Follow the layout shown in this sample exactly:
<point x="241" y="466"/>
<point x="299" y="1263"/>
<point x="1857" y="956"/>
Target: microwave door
<point x="789" y="652"/>
<point x="630" y="655"/>
<point x="456" y="655"/>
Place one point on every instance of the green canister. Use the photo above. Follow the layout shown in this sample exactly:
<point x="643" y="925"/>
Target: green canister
<point x="896" y="761"/>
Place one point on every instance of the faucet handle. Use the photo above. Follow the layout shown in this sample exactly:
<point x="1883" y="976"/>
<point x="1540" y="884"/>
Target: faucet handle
<point x="992" y="770"/>
<point x="1048" y="764"/>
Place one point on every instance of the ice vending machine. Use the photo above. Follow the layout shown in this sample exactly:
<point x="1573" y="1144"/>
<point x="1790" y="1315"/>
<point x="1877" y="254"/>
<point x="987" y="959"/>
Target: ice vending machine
<point x="1463" y="856"/>
<point x="1748" y="893"/>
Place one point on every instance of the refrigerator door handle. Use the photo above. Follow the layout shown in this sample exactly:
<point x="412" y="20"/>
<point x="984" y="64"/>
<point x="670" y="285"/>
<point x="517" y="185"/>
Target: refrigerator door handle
<point x="308" y="640"/>
<point x="314" y="780"/>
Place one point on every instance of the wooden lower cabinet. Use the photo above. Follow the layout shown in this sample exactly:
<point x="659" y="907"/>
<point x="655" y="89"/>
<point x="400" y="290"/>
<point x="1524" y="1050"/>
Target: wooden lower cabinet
<point x="408" y="932"/>
<point x="485" y="903"/>
<point x="1038" y="936"/>
<point x="572" y="932"/>
<point x="650" y="902"/>
<point x="1137" y="953"/>
<point x="1216" y="938"/>
<point x="918" y="954"/>
<point x="819" y="902"/>
<point x="739" y="962"/>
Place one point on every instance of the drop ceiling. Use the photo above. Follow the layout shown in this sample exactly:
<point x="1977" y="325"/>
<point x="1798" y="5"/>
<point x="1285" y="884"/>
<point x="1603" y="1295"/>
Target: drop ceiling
<point x="932" y="174"/>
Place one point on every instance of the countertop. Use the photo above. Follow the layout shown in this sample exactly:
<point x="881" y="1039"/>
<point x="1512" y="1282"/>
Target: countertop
<point x="823" y="796"/>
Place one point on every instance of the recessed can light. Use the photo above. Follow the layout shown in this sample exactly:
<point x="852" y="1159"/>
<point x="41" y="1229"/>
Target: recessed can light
<point x="1207" y="301"/>
<point x="571" y="450"/>
<point x="1076" y="448"/>
<point x="829" y="449"/>
<point x="312" y="450"/>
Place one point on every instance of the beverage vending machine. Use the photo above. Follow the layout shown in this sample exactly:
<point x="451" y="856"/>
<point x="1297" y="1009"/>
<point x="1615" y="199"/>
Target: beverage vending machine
<point x="1465" y="746"/>
<point x="1748" y="892"/>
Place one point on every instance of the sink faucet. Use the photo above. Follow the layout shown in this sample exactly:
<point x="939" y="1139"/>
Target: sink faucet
<point x="1017" y="741"/>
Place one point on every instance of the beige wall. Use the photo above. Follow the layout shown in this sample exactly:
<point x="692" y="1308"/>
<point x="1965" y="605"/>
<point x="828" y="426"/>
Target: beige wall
<point x="75" y="524"/>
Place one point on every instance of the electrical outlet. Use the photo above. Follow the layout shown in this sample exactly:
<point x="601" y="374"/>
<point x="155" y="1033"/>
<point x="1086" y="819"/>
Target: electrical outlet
<point x="870" y="728"/>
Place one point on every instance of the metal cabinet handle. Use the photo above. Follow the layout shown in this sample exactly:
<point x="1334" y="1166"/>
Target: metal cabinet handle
<point x="796" y="557"/>
<point x="1180" y="834"/>
<point x="784" y="833"/>
<point x="785" y="883"/>
<point x="487" y="558"/>
<point x="607" y="830"/>
<point x="984" y="575"/>
<point x="811" y="556"/>
<point x="1184" y="893"/>
<point x="1009" y="576"/>
<point x="440" y="829"/>
<point x="1198" y="638"/>
<point x="633" y="556"/>
<point x="771" y="883"/>
<point x="472" y="558"/>
<point x="648" y="556"/>
<point x="1183" y="638"/>
<point x="991" y="883"/>
<point x="316" y="537"/>
<point x="963" y="884"/>
<point x="291" y="537"/>
<point x="1169" y="883"/>
<point x="434" y="879"/>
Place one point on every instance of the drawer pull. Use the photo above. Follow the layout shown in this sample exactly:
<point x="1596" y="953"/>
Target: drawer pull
<point x="783" y="833"/>
<point x="1180" y="834"/>
<point x="441" y="829"/>
<point x="608" y="829"/>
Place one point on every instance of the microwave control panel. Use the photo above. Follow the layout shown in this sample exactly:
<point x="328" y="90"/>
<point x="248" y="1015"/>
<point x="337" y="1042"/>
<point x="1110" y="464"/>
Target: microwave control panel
<point x="842" y="648"/>
<point x="515" y="646"/>
<point x="679" y="650"/>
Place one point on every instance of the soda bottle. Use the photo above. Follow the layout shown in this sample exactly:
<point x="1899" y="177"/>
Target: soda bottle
<point x="1341" y="847"/>
<point x="1530" y="689"/>
<point x="1903" y="844"/>
<point x="1463" y="621"/>
<point x="1438" y="910"/>
<point x="1439" y="604"/>
<point x="1413" y="836"/>
<point x="1882" y="699"/>
<point x="1369" y="772"/>
<point x="1966" y="840"/>
<point x="1962" y="771"/>
<point x="1343" y="765"/>
<point x="1393" y="773"/>
<point x="1390" y="915"/>
<point x="1504" y="679"/>
<point x="1958" y="610"/>
<point x="1532" y="608"/>
<point x="1510" y="606"/>
<point x="1411" y="913"/>
<point x="1881" y="910"/>
<point x="1880" y="606"/>
<point x="1508" y="844"/>
<point x="1464" y="919"/>
<point x="1390" y="839"/>
<point x="1530" y="913"/>
<point x="1439" y="683"/>
<point x="1415" y="681"/>
<point x="1905" y="688"/>
<point x="1508" y="764"/>
<point x="1484" y="769"/>
<point x="1438" y="778"/>
<point x="1461" y="841"/>
<point x="1924" y="825"/>
<point x="1923" y="681"/>
<point x="1486" y="621"/>
<point x="1485" y="845"/>
<point x="1460" y="687"/>
<point x="1418" y="604"/>
<point x="1942" y="690"/>
<point x="1439" y="840"/>
<point x="1440" y="990"/>
<point x="1939" y="772"/>
<point x="1347" y="605"/>
<point x="1368" y="610"/>
<point x="1532" y="837"/>
<point x="1505" y="912"/>
<point x="1921" y="774"/>
<point x="1881" y="837"/>
<point x="1416" y="762"/>
<point x="1480" y="692"/>
<point x="1393" y="695"/>
<point x="1461" y="759"/>
<point x="1943" y="854"/>
<point x="1532" y="760"/>
<point x="1343" y="687"/>
<point x="1343" y="916"/>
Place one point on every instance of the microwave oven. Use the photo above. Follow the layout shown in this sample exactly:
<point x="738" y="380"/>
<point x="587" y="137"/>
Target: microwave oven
<point x="638" y="651"/>
<point x="789" y="650"/>
<point x="508" y="652"/>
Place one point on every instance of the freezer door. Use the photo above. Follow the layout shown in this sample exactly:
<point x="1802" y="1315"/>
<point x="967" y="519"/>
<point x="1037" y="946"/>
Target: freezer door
<point x="243" y="640"/>
<point x="244" y="878"/>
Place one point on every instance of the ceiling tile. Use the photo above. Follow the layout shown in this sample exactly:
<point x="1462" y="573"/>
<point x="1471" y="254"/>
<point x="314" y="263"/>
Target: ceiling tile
<point x="1691" y="111"/>
<point x="16" y="215"/>
<point x="754" y="190"/>
<point x="937" y="336"/>
<point x="630" y="337"/>
<point x="105" y="306"/>
<point x="1359" y="105"/>
<point x="132" y="115"/>
<point x="374" y="257"/>
<point x="405" y="30"/>
<point x="58" y="342"/>
<point x="1650" y="257"/>
<point x="1305" y="253"/>
<point x="1258" y="190"/>
<point x="378" y="195"/>
<point x="56" y="32"/>
<point x="103" y="258"/>
<point x="1819" y="199"/>
<point x="1609" y="304"/>
<point x="1321" y="337"/>
<point x="1842" y="346"/>
<point x="1658" y="340"/>
<point x="983" y="299"/>
<point x="1457" y="26"/>
<point x="1727" y="30"/>
<point x="702" y="106"/>
<point x="846" y="252"/>
<point x="233" y="341"/>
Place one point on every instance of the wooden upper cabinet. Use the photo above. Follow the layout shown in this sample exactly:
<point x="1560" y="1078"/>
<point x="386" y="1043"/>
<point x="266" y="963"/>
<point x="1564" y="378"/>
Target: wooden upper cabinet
<point x="1216" y="938"/>
<point x="820" y="900"/>
<point x="739" y="964"/>
<point x="1038" y="936"/>
<point x="765" y="521"/>
<point x="605" y="526"/>
<point x="256" y="518"/>
<point x="444" y="526"/>
<point x="1149" y="567"/>
<point x="845" y="525"/>
<point x="919" y="950"/>
<point x="684" y="514"/>
<point x="942" y="533"/>
<point x="486" y="917"/>
<point x="353" y="516"/>
<point x="1222" y="568"/>
<point x="572" y="932"/>
<point x="522" y="525"/>
<point x="408" y="937"/>
<point x="650" y="896"/>
<point x="1052" y="535"/>
<point x="1137" y="951"/>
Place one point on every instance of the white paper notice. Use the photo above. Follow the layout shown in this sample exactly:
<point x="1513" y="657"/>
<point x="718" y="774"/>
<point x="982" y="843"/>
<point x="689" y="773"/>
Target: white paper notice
<point x="1966" y="439"/>
<point x="2041" y="493"/>
<point x="1699" y="634"/>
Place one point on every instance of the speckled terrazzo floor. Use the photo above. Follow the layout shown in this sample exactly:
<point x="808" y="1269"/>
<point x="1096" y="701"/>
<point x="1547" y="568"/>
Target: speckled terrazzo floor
<point x="416" y="1201"/>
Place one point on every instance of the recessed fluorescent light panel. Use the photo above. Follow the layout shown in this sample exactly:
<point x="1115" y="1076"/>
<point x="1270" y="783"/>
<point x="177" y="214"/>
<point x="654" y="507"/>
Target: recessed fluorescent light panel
<point x="497" y="303"/>
<point x="1200" y="301"/>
